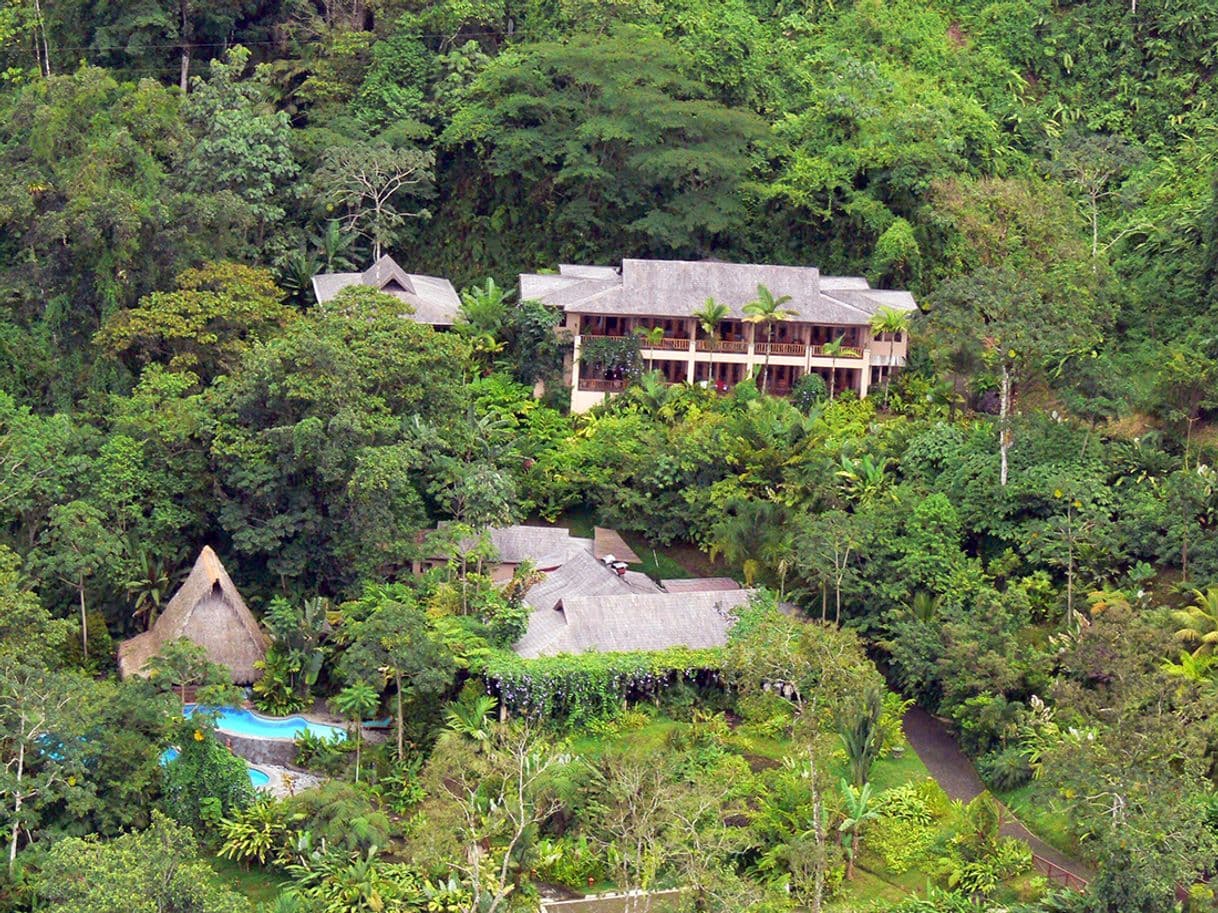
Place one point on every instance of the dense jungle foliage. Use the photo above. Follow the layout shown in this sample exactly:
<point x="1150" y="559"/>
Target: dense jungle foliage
<point x="1042" y="176"/>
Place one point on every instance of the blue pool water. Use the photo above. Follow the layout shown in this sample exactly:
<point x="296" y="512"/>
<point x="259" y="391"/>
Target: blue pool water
<point x="257" y="777"/>
<point x="242" y="722"/>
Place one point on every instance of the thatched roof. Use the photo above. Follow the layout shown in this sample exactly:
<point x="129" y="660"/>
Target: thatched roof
<point x="675" y="288"/>
<point x="209" y="611"/>
<point x="629" y="623"/>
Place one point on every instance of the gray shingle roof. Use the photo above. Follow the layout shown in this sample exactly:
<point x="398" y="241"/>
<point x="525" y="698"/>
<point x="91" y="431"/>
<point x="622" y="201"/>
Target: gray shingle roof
<point x="546" y="546"/>
<point x="628" y="623"/>
<point x="434" y="300"/>
<point x="676" y="288"/>
<point x="700" y="585"/>
<point x="583" y="575"/>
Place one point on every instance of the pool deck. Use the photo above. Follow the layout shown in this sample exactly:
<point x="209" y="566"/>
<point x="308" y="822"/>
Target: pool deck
<point x="285" y="782"/>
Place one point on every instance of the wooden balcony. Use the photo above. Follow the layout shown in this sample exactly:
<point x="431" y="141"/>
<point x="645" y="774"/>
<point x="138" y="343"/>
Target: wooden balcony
<point x="797" y="349"/>
<point x="738" y="346"/>
<point x="846" y="352"/>
<point x="668" y="345"/>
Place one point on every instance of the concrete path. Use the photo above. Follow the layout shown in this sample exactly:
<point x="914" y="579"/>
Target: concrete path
<point x="953" y="771"/>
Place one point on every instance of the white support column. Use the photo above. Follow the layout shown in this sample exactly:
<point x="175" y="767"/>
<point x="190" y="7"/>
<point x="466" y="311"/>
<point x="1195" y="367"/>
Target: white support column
<point x="575" y="352"/>
<point x="693" y="351"/>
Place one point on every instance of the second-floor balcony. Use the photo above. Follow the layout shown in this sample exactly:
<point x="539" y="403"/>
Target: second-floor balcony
<point x="740" y="347"/>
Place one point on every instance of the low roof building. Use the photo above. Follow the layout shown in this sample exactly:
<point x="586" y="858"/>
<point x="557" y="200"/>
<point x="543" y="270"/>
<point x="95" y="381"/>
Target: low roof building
<point x="434" y="300"/>
<point x="209" y="611"/>
<point x="630" y="623"/>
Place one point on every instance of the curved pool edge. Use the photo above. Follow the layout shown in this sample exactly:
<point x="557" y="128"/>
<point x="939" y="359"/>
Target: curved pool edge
<point x="338" y="733"/>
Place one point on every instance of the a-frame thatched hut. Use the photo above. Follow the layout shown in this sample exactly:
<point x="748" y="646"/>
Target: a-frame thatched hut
<point x="209" y="611"/>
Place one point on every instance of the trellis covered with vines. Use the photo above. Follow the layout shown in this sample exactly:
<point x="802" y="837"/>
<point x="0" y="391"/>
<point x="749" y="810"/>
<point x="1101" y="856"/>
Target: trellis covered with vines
<point x="618" y="356"/>
<point x="592" y="686"/>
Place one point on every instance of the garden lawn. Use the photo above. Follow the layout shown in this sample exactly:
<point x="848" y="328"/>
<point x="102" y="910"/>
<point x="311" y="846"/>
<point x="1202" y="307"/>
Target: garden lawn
<point x="255" y="883"/>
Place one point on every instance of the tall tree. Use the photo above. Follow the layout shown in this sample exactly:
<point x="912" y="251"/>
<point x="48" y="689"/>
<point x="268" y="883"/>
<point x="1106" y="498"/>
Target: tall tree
<point x="602" y="144"/>
<point x="79" y="549"/>
<point x="390" y="642"/>
<point x="1032" y="298"/>
<point x="241" y="147"/>
<point x="1092" y="163"/>
<point x="218" y="311"/>
<point x="371" y="184"/>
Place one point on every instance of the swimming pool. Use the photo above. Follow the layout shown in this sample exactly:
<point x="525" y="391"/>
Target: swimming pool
<point x="258" y="778"/>
<point x="241" y="722"/>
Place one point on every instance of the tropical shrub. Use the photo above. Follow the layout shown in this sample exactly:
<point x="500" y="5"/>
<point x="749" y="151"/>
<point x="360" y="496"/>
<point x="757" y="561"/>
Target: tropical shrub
<point x="902" y="843"/>
<point x="340" y="815"/>
<point x="256" y="833"/>
<point x="1005" y="769"/>
<point x="570" y="861"/>
<point x="205" y="781"/>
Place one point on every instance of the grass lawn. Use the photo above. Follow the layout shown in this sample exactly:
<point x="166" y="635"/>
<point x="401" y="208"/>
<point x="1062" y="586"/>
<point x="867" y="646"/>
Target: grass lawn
<point x="673" y="562"/>
<point x="893" y="771"/>
<point x="253" y="883"/>
<point x="1044" y="814"/>
<point x="640" y="742"/>
<point x="871" y="884"/>
<point x="657" y="563"/>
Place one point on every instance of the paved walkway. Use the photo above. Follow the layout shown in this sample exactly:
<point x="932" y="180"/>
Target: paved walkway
<point x="952" y="770"/>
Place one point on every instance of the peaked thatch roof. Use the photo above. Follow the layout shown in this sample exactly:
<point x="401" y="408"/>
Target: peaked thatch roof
<point x="629" y="623"/>
<point x="209" y="611"/>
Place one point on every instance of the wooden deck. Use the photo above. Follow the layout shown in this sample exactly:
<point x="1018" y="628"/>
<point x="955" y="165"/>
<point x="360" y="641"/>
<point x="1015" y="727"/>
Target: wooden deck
<point x="609" y="542"/>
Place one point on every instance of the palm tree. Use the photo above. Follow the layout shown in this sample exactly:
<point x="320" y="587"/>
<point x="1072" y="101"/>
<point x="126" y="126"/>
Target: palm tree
<point x="709" y="317"/>
<point x="471" y="720"/>
<point x="1199" y="622"/>
<point x="859" y="810"/>
<point x="887" y="321"/>
<point x="650" y="337"/>
<point x="334" y="244"/>
<point x="862" y="737"/>
<point x="356" y="702"/>
<point x="767" y="311"/>
<point x="833" y="350"/>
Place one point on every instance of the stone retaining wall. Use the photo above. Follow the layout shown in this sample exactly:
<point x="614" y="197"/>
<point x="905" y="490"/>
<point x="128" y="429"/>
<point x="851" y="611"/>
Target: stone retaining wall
<point x="278" y="752"/>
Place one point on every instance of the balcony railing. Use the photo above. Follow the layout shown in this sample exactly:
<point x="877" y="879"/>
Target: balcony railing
<point x="738" y="347"/>
<point x="668" y="345"/>
<point x="846" y="352"/>
<point x="600" y="385"/>
<point x="782" y="348"/>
